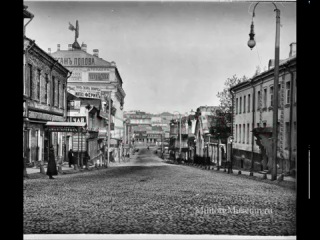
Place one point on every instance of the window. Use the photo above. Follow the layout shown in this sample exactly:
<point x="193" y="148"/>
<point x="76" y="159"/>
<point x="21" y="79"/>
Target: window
<point x="237" y="106"/>
<point x="249" y="103"/>
<point x="258" y="100"/>
<point x="38" y="83"/>
<point x="31" y="81"/>
<point x="236" y="137"/>
<point x="46" y="89"/>
<point x="265" y="98"/>
<point x="244" y="133"/>
<point x="248" y="133"/>
<point x="271" y="96"/>
<point x="258" y="125"/>
<point x="288" y="92"/>
<point x="240" y="105"/>
<point x="264" y="124"/>
<point x="279" y="91"/>
<point x="58" y="93"/>
<point x="239" y="133"/>
<point x="53" y="90"/>
<point x="295" y="91"/>
<point x="63" y="95"/>
<point x="244" y="104"/>
<point x="287" y="136"/>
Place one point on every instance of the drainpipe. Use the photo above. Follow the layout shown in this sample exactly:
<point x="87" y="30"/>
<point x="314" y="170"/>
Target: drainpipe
<point x="232" y="116"/>
<point x="253" y="123"/>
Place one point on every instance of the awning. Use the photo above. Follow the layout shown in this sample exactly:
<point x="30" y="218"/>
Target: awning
<point x="65" y="126"/>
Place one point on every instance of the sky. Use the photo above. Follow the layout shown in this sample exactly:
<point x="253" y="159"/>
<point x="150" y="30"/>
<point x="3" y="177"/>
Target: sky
<point x="172" y="56"/>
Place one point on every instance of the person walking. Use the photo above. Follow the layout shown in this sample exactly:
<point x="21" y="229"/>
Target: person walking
<point x="70" y="157"/>
<point x="86" y="159"/>
<point x="52" y="167"/>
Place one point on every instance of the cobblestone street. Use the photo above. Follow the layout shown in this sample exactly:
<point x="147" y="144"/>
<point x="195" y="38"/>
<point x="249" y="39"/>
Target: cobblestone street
<point x="147" y="195"/>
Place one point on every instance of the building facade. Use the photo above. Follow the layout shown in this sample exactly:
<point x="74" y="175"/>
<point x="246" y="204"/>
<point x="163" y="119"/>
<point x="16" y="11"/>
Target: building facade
<point x="95" y="78"/>
<point x="44" y="99"/>
<point x="253" y="114"/>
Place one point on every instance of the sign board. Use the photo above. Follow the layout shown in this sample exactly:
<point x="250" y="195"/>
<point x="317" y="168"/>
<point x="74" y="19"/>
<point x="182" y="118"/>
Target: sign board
<point x="62" y="129"/>
<point x="85" y="91"/>
<point x="98" y="76"/>
<point x="79" y="142"/>
<point x="77" y="119"/>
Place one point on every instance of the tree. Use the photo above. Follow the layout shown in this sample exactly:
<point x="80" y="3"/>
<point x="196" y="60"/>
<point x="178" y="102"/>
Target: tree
<point x="225" y="95"/>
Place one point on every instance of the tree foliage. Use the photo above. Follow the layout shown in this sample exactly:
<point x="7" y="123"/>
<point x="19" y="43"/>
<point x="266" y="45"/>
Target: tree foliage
<point x="222" y="126"/>
<point x="225" y="95"/>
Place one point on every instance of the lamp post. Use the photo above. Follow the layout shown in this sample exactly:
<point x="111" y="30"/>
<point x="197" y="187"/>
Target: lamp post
<point x="251" y="44"/>
<point x="179" y="133"/>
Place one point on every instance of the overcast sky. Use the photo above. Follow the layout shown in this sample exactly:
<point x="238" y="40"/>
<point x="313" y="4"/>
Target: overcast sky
<point x="172" y="56"/>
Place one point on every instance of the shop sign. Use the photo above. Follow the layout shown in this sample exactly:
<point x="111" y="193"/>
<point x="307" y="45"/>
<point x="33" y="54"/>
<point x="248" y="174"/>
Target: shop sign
<point x="62" y="129"/>
<point x="98" y="76"/>
<point x="79" y="142"/>
<point x="77" y="119"/>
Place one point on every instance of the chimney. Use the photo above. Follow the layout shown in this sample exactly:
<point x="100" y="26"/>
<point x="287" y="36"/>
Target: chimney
<point x="293" y="49"/>
<point x="271" y="64"/>
<point x="49" y="50"/>
<point x="113" y="64"/>
<point x="58" y="47"/>
<point x="84" y="47"/>
<point x="96" y="52"/>
<point x="69" y="47"/>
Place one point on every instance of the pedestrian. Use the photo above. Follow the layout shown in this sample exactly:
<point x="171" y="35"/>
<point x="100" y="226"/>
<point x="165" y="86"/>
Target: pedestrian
<point x="70" y="157"/>
<point x="52" y="167"/>
<point x="86" y="159"/>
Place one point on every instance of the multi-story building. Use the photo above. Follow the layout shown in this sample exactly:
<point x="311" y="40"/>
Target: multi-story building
<point x="44" y="94"/>
<point x="91" y="112"/>
<point x="95" y="78"/>
<point x="253" y="117"/>
<point x="206" y="145"/>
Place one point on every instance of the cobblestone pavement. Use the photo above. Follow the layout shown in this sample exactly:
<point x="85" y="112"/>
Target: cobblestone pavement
<point x="149" y="196"/>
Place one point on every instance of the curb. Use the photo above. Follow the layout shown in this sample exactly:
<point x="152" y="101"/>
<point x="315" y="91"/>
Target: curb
<point x="282" y="183"/>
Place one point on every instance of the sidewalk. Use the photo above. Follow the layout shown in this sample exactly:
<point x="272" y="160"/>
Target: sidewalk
<point x="34" y="172"/>
<point x="287" y="180"/>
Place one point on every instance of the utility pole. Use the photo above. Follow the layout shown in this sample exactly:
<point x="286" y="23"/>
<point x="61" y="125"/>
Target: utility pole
<point x="109" y="127"/>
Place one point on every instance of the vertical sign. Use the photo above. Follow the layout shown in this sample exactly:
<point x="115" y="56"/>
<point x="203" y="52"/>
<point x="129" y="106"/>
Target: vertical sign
<point x="78" y="142"/>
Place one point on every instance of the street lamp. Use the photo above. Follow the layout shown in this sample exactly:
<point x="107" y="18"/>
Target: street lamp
<point x="179" y="132"/>
<point x="251" y="44"/>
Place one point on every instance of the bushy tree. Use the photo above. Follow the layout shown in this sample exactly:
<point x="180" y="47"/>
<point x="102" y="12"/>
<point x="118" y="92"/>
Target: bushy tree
<point x="222" y="126"/>
<point x="225" y="96"/>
